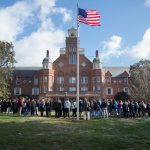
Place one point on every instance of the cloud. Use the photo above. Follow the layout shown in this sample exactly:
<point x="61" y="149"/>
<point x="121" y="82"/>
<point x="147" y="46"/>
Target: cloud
<point x="66" y="13"/>
<point x="141" y="50"/>
<point x="113" y="43"/>
<point x="47" y="8"/>
<point x="13" y="20"/>
<point x="147" y="3"/>
<point x="112" y="47"/>
<point x="32" y="49"/>
<point x="35" y="17"/>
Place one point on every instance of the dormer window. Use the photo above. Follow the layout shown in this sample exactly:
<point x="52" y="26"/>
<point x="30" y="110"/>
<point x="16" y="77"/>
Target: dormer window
<point x="125" y="80"/>
<point x="108" y="80"/>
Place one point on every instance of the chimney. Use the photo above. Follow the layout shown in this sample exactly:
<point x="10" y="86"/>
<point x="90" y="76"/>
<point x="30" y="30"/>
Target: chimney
<point x="47" y="53"/>
<point x="97" y="54"/>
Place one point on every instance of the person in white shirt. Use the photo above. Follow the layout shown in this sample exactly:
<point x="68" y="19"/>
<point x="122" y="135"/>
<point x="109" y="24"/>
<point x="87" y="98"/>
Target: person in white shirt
<point x="67" y="106"/>
<point x="74" y="108"/>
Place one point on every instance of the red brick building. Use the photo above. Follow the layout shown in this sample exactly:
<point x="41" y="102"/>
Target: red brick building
<point x="58" y="79"/>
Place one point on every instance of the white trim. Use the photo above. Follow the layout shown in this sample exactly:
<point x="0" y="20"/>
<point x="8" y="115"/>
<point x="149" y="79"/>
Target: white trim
<point x="17" y="91"/>
<point x="107" y="91"/>
<point x="125" y="90"/>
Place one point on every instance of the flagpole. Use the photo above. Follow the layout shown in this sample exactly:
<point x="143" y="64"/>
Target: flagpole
<point x="77" y="65"/>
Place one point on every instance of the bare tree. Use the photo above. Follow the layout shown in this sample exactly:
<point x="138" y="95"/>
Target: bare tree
<point x="7" y="61"/>
<point x="139" y="83"/>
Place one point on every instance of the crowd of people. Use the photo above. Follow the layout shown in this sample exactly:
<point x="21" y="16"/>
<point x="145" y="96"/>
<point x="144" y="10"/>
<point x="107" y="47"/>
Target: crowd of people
<point x="88" y="108"/>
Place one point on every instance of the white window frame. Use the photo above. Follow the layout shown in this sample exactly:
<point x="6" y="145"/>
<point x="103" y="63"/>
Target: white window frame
<point x="98" y="79"/>
<point x="72" y="89"/>
<point x="114" y="81"/>
<point x="17" y="91"/>
<point x="45" y="89"/>
<point x="35" y="80"/>
<point x="84" y="79"/>
<point x="60" y="80"/>
<point x="124" y="89"/>
<point x="84" y="89"/>
<point x="18" y="80"/>
<point x="45" y="79"/>
<point x="125" y="80"/>
<point x="98" y="87"/>
<point x="40" y="89"/>
<point x="72" y="80"/>
<point x="110" y="89"/>
<point x="108" y="79"/>
<point x="93" y="88"/>
<point x="35" y="91"/>
<point x="60" y="89"/>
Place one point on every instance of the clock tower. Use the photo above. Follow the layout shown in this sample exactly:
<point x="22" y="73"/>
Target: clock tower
<point x="71" y="46"/>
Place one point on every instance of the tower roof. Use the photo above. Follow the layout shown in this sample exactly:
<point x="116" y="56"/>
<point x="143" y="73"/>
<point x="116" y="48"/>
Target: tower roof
<point x="96" y="59"/>
<point x="72" y="32"/>
<point x="47" y="58"/>
<point x="72" y="29"/>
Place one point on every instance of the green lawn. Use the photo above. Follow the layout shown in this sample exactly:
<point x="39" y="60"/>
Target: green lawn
<point x="36" y="133"/>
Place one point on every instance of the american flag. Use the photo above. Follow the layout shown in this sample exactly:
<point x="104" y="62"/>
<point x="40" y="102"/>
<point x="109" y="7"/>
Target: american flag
<point x="90" y="17"/>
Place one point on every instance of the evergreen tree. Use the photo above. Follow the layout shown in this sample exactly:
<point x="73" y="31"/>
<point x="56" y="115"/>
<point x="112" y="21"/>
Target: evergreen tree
<point x="121" y="96"/>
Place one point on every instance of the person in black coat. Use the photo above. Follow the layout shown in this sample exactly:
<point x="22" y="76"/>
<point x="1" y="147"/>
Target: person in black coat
<point x="33" y="107"/>
<point x="80" y="107"/>
<point x="55" y="107"/>
<point x="59" y="108"/>
<point x="148" y="109"/>
<point x="14" y="106"/>
<point x="42" y="106"/>
<point x="48" y="108"/>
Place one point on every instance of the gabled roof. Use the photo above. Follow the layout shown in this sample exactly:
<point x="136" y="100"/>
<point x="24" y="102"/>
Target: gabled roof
<point x="108" y="74"/>
<point x="115" y="71"/>
<point x="124" y="74"/>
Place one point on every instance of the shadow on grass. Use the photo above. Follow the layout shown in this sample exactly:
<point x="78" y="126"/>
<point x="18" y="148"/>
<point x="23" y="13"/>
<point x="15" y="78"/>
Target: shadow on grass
<point x="38" y="133"/>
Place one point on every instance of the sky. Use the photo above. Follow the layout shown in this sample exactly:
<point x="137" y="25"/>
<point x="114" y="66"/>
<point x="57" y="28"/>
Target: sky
<point x="34" y="26"/>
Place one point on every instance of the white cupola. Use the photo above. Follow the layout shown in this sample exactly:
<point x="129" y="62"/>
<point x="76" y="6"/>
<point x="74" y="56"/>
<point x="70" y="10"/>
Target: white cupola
<point x="97" y="64"/>
<point x="47" y="62"/>
<point x="72" y="32"/>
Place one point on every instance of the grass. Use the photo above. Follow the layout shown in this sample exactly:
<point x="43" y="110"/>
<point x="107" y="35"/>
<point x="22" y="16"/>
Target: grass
<point x="37" y="133"/>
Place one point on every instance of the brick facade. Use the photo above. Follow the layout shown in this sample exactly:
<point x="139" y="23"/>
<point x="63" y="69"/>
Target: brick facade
<point x="58" y="79"/>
